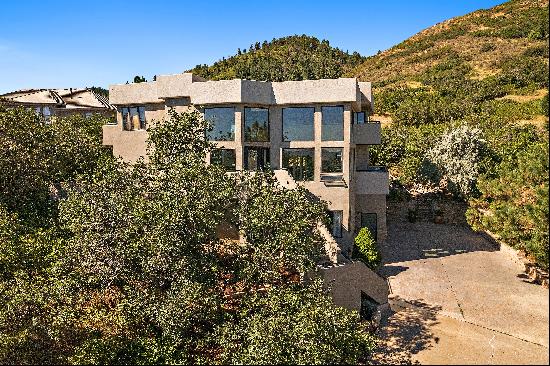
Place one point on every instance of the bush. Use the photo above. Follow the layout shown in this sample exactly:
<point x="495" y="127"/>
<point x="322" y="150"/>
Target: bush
<point x="522" y="71"/>
<point x="486" y="47"/>
<point x="514" y="202"/>
<point x="460" y="155"/>
<point x="544" y="105"/>
<point x="366" y="248"/>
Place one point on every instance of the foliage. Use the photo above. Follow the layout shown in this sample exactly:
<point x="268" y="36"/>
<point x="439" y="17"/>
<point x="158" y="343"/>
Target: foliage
<point x="309" y="321"/>
<point x="139" y="79"/>
<point x="460" y="156"/>
<point x="402" y="149"/>
<point x="136" y="271"/>
<point x="101" y="91"/>
<point x="522" y="71"/>
<point x="514" y="202"/>
<point x="289" y="58"/>
<point x="37" y="157"/>
<point x="366" y="248"/>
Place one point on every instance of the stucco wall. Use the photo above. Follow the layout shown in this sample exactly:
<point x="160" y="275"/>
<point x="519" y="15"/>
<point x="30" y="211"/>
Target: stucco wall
<point x="372" y="182"/>
<point x="372" y="203"/>
<point x="129" y="145"/>
<point x="347" y="281"/>
<point x="242" y="91"/>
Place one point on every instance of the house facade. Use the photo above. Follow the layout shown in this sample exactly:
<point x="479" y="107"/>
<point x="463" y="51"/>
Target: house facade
<point x="319" y="131"/>
<point x="60" y="102"/>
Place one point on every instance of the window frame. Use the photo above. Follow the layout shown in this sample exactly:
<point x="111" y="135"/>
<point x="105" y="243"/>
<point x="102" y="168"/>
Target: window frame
<point x="336" y="232"/>
<point x="323" y="123"/>
<point x="267" y="158"/>
<point x="355" y="121"/>
<point x="363" y="218"/>
<point x="326" y="149"/>
<point x="126" y="117"/>
<point x="209" y="133"/>
<point x="246" y="138"/>
<point x="233" y="167"/>
<point x="283" y="138"/>
<point x="302" y="166"/>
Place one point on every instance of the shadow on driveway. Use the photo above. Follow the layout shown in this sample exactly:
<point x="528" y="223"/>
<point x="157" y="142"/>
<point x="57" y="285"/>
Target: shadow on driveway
<point x="405" y="333"/>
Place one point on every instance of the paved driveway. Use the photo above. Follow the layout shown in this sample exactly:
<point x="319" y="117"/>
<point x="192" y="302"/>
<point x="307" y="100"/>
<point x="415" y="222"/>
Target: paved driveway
<point x="459" y="299"/>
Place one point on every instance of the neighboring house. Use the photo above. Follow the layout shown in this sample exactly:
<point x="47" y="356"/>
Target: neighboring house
<point x="318" y="130"/>
<point x="60" y="102"/>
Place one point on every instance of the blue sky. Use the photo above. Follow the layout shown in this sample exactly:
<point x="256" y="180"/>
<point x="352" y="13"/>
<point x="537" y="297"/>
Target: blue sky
<point x="83" y="43"/>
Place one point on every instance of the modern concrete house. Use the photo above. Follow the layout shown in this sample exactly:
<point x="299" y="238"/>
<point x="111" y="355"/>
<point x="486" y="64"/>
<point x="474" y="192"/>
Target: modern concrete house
<point x="60" y="102"/>
<point x="318" y="130"/>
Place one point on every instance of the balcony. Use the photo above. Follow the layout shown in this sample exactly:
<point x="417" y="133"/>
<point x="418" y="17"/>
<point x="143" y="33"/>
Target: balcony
<point x="366" y="133"/>
<point x="373" y="180"/>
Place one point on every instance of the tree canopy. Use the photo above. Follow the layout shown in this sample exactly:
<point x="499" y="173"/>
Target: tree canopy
<point x="135" y="268"/>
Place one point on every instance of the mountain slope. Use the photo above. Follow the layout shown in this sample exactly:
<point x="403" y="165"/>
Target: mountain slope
<point x="484" y="40"/>
<point x="289" y="58"/>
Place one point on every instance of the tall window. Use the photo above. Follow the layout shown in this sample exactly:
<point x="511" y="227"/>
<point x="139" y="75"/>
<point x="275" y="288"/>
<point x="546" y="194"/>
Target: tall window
<point x="256" y="124"/>
<point x="331" y="160"/>
<point x="299" y="163"/>
<point x="223" y="123"/>
<point x="332" y="128"/>
<point x="223" y="157"/>
<point x="336" y="218"/>
<point x="133" y="118"/>
<point x="298" y="124"/>
<point x="256" y="158"/>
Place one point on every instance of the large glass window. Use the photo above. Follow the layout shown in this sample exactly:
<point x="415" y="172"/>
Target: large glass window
<point x="335" y="224"/>
<point x="223" y="157"/>
<point x="256" y="124"/>
<point x="133" y="118"/>
<point x="332" y="128"/>
<point x="331" y="160"/>
<point x="299" y="163"/>
<point x="256" y="158"/>
<point x="298" y="124"/>
<point x="223" y="123"/>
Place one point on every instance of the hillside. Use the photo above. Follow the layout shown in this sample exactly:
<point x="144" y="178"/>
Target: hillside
<point x="484" y="41"/>
<point x="289" y="58"/>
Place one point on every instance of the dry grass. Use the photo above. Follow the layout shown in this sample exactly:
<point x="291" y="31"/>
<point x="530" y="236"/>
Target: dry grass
<point x="538" y="94"/>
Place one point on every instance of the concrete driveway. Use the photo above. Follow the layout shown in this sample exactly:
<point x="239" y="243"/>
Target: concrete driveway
<point x="459" y="299"/>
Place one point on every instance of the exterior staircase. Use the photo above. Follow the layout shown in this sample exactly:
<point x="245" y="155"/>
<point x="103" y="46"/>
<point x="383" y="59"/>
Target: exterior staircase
<point x="349" y="281"/>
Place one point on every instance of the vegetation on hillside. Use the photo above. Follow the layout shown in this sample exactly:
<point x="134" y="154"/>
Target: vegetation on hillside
<point x="289" y="58"/>
<point x="486" y="71"/>
<point x="122" y="264"/>
<point x="485" y="40"/>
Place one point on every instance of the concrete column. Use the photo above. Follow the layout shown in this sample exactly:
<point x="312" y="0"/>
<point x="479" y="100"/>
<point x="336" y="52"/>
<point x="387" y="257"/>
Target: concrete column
<point x="317" y="122"/>
<point x="275" y="136"/>
<point x="347" y="139"/>
<point x="239" y="137"/>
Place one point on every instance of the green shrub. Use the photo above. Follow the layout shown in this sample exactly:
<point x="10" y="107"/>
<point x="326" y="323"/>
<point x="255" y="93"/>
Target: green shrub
<point x="536" y="51"/>
<point x="544" y="105"/>
<point x="522" y="71"/>
<point x="486" y="47"/>
<point x="514" y="202"/>
<point x="366" y="249"/>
